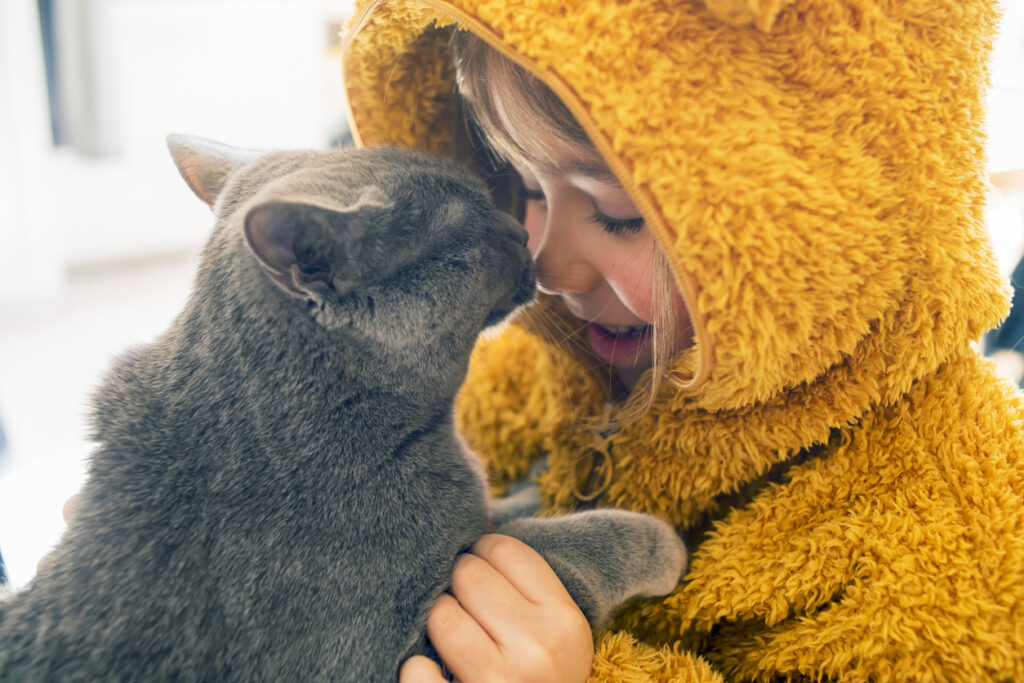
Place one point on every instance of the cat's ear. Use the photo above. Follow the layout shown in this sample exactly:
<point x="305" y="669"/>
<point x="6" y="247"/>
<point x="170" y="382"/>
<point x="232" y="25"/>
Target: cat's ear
<point x="306" y="245"/>
<point x="205" y="164"/>
<point x="743" y="13"/>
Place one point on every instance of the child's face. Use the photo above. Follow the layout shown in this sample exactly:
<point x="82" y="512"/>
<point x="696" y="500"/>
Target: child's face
<point x="593" y="250"/>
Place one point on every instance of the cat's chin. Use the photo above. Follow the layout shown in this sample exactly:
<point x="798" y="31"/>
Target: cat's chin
<point x="524" y="294"/>
<point x="497" y="316"/>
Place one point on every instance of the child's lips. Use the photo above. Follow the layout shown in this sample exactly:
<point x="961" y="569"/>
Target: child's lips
<point x="619" y="346"/>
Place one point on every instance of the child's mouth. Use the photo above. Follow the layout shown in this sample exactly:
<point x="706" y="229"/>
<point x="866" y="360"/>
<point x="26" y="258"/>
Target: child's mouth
<point x="620" y="345"/>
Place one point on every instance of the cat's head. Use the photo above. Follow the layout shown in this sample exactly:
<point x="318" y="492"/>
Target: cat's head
<point x="396" y="248"/>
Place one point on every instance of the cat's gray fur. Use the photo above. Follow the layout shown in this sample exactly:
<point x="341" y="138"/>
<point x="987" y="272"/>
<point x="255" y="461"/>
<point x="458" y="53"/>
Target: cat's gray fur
<point x="278" y="493"/>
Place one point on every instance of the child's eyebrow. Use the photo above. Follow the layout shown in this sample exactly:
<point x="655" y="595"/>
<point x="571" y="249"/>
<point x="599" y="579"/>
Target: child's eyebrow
<point x="595" y="170"/>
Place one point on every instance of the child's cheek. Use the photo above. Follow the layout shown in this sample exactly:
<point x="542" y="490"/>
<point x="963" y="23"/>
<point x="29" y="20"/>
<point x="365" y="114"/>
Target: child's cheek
<point x="631" y="277"/>
<point x="633" y="287"/>
<point x="533" y="222"/>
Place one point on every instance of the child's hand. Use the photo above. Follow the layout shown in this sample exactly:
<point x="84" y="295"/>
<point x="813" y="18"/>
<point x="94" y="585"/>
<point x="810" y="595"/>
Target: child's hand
<point x="510" y="619"/>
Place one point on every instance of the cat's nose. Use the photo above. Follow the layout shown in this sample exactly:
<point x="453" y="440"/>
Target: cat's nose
<point x="516" y="231"/>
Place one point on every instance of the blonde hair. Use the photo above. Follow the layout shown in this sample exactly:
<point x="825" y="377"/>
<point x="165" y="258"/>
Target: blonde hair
<point x="482" y="76"/>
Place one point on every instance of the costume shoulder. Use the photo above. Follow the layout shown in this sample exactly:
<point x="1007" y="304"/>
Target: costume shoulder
<point x="895" y="552"/>
<point x="620" y="657"/>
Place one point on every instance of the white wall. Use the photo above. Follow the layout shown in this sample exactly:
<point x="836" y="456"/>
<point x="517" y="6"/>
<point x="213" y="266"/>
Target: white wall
<point x="30" y="262"/>
<point x="256" y="73"/>
<point x="244" y="72"/>
<point x="77" y="232"/>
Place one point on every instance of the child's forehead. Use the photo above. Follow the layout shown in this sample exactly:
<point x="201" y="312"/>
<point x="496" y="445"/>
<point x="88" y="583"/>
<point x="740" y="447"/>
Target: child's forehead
<point x="559" y="158"/>
<point x="541" y="148"/>
<point x="594" y="169"/>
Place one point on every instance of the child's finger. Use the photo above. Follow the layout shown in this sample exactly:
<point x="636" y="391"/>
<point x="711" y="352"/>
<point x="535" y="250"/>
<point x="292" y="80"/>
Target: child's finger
<point x="523" y="567"/>
<point x="488" y="596"/>
<point x="420" y="669"/>
<point x="70" y="509"/>
<point x="466" y="649"/>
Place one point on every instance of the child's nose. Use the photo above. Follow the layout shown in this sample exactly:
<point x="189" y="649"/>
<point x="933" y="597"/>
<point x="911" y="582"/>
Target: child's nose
<point x="562" y="266"/>
<point x="569" y="278"/>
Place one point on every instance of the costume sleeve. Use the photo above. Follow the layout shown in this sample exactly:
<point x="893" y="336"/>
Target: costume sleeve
<point x="520" y="396"/>
<point x="619" y="657"/>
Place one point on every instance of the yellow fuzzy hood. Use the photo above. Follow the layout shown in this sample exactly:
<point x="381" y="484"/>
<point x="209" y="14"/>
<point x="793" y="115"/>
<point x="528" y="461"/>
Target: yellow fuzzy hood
<point x="812" y="168"/>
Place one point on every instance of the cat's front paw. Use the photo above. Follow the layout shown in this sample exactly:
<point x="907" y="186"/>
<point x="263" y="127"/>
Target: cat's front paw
<point x="605" y="557"/>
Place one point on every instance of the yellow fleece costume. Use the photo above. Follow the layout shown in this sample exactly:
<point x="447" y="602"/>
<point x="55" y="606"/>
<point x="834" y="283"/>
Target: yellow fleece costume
<point x="848" y="472"/>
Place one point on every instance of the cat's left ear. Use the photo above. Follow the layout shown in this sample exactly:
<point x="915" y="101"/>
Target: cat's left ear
<point x="307" y="245"/>
<point x="743" y="13"/>
<point x="205" y="164"/>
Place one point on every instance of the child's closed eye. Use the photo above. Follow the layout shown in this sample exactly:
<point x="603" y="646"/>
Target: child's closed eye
<point x="613" y="226"/>
<point x="618" y="226"/>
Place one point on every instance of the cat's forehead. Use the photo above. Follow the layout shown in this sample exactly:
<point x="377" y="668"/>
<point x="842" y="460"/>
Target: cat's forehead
<point x="407" y="178"/>
<point x="385" y="167"/>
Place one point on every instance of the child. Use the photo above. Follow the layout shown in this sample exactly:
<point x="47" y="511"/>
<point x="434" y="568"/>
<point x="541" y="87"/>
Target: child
<point x="757" y="229"/>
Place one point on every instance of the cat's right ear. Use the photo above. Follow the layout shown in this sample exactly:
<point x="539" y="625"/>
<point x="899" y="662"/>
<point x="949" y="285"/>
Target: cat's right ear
<point x="305" y="245"/>
<point x="205" y="164"/>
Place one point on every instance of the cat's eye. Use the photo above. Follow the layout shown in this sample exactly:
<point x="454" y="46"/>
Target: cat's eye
<point x="533" y="195"/>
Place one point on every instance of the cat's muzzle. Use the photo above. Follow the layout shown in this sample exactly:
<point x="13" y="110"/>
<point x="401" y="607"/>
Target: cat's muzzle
<point x="524" y="285"/>
<point x="528" y="279"/>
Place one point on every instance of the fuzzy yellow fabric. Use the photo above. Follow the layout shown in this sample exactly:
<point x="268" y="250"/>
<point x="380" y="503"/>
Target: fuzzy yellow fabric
<point x="895" y="555"/>
<point x="850" y="473"/>
<point x="762" y="13"/>
<point x="510" y="412"/>
<point x="620" y="658"/>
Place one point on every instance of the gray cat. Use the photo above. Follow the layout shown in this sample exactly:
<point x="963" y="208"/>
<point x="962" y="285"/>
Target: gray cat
<point x="278" y="492"/>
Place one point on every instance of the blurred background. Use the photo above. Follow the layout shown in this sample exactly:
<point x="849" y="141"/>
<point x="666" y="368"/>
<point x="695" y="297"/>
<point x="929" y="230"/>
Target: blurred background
<point x="98" y="233"/>
<point x="99" y="236"/>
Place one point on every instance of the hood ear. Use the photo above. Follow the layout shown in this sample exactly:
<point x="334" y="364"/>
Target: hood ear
<point x="306" y="246"/>
<point x="205" y="164"/>
<point x="739" y="13"/>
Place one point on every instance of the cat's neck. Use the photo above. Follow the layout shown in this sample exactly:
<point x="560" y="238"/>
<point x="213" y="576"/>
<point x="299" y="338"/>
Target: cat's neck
<point x="219" y="368"/>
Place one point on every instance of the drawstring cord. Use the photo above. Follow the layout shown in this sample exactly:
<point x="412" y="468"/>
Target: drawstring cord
<point x="594" y="467"/>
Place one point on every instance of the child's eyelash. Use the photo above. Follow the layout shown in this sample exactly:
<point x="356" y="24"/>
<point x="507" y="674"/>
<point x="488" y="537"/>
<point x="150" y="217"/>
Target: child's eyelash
<point x="618" y="226"/>
<point x="613" y="226"/>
